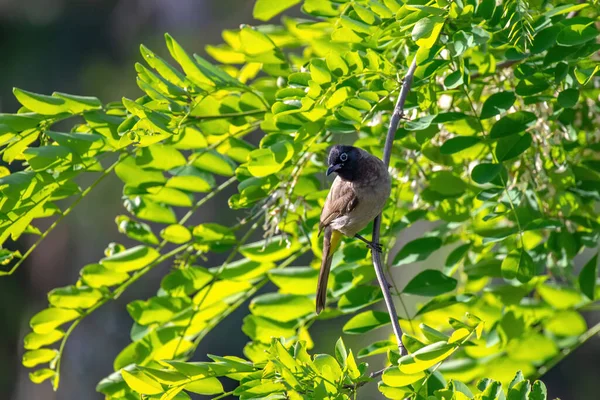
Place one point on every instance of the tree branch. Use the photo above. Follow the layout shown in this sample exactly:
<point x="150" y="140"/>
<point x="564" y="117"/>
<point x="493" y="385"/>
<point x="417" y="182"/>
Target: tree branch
<point x="387" y="155"/>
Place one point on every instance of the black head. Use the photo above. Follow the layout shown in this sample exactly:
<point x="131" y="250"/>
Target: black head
<point x="344" y="160"/>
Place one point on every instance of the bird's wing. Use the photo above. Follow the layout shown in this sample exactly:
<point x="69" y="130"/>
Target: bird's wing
<point x="340" y="201"/>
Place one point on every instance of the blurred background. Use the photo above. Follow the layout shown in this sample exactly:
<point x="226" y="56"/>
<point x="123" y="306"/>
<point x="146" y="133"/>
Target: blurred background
<point x="89" y="47"/>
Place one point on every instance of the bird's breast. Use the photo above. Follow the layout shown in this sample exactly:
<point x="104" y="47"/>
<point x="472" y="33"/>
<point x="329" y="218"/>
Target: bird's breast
<point x="371" y="200"/>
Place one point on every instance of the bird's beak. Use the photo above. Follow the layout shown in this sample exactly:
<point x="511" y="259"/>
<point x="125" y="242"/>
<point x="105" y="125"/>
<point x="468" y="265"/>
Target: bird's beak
<point x="333" y="168"/>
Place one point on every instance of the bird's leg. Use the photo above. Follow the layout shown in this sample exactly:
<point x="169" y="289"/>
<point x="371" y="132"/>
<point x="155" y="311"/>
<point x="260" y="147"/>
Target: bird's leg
<point x="373" y="246"/>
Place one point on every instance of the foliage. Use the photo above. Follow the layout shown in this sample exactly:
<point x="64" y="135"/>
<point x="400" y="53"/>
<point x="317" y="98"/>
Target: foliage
<point x="500" y="150"/>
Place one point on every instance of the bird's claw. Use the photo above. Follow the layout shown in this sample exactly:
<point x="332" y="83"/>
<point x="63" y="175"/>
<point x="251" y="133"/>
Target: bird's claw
<point x="375" y="247"/>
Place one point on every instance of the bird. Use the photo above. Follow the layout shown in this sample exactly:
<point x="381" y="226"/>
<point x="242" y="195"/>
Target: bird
<point x="358" y="194"/>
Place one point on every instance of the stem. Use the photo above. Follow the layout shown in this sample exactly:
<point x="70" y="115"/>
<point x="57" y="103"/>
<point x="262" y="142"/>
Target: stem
<point x="387" y="155"/>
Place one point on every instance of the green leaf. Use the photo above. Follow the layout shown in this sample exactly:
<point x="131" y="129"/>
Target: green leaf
<point x="338" y="97"/>
<point x="485" y="172"/>
<point x="329" y="368"/>
<point x="519" y="391"/>
<point x="366" y="322"/>
<point x="392" y="392"/>
<point x="148" y="209"/>
<point x="156" y="309"/>
<point x="560" y="297"/>
<point x="264" y="10"/>
<point x="206" y="386"/>
<point x="336" y="64"/>
<point x="578" y="31"/>
<point x="41" y="104"/>
<point x="78" y="143"/>
<point x="36" y="357"/>
<point x="538" y="390"/>
<point x="46" y="157"/>
<point x="185" y="281"/>
<point x="511" y="326"/>
<point x="426" y="357"/>
<point x="427" y="30"/>
<point x="532" y="84"/>
<point x="33" y="340"/>
<point x="136" y="230"/>
<point x="188" y="64"/>
<point x="568" y="98"/>
<point x="588" y="277"/>
<point x="164" y="69"/>
<point x="380" y="347"/>
<point x="190" y="179"/>
<point x="585" y="75"/>
<point x="419" y="124"/>
<point x="274" y="249"/>
<point x="417" y="250"/>
<point x="359" y="297"/>
<point x="512" y="146"/>
<point x="512" y="124"/>
<point x="141" y="383"/>
<point x="49" y="319"/>
<point x="245" y="270"/>
<point x="281" y="307"/>
<point x="297" y="280"/>
<point x="264" y="329"/>
<point x="270" y="160"/>
<point x="441" y="302"/>
<point x="97" y="276"/>
<point x="458" y="143"/>
<point x="340" y="352"/>
<point x="532" y="347"/>
<point x="214" y="162"/>
<point x="518" y="264"/>
<point x="176" y="233"/>
<point x="41" y="375"/>
<point x="454" y="80"/>
<point x="497" y="103"/>
<point x="395" y="378"/>
<point x="159" y="157"/>
<point x="545" y="39"/>
<point x="133" y="175"/>
<point x="564" y="9"/>
<point x="447" y="184"/>
<point x="566" y="323"/>
<point x="74" y="297"/>
<point x="457" y="254"/>
<point x="211" y="236"/>
<point x="79" y="104"/>
<point x="430" y="282"/>
<point x="131" y="259"/>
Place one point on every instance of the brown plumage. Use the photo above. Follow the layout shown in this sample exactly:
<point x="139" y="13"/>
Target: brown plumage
<point x="357" y="196"/>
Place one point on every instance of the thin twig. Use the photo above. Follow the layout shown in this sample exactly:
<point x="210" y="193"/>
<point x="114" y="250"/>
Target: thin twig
<point x="387" y="155"/>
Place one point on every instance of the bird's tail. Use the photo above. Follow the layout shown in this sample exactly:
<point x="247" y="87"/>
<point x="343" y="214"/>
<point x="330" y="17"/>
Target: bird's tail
<point x="331" y="241"/>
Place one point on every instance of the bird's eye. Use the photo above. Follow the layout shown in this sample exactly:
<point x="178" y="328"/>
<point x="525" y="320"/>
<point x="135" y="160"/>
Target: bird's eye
<point x="343" y="157"/>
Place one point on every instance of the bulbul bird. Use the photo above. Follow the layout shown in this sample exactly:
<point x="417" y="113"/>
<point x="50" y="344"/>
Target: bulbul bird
<point x="357" y="196"/>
